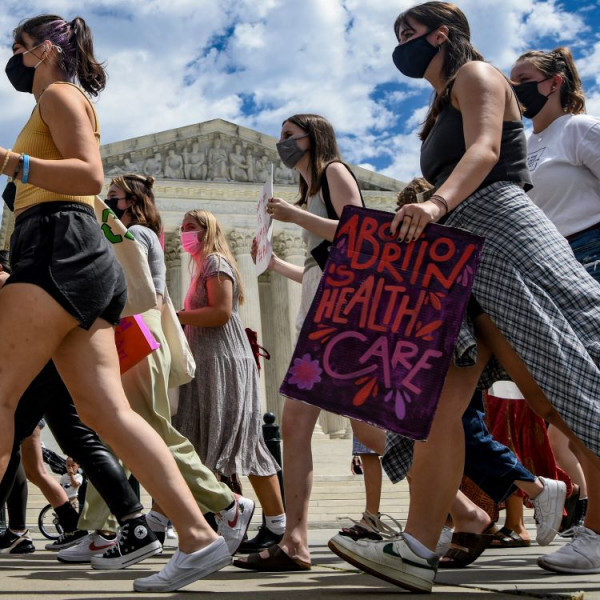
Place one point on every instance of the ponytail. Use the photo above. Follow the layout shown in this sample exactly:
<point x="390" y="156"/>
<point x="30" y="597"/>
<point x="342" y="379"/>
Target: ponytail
<point x="90" y="72"/>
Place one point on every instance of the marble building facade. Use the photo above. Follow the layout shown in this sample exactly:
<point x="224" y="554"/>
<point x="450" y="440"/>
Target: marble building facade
<point x="221" y="167"/>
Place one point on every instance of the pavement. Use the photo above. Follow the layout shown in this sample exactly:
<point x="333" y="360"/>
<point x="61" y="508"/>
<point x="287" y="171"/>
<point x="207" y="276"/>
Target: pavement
<point x="496" y="575"/>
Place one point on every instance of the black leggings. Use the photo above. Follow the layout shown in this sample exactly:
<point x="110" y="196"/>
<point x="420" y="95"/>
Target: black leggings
<point x="16" y="502"/>
<point x="48" y="397"/>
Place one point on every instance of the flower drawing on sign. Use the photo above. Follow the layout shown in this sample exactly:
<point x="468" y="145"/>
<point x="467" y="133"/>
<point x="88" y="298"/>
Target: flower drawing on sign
<point x="401" y="399"/>
<point x="465" y="277"/>
<point x="305" y="372"/>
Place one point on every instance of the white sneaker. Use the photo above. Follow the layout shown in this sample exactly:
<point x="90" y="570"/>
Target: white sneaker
<point x="92" y="544"/>
<point x="580" y="555"/>
<point x="445" y="540"/>
<point x="171" y="535"/>
<point x="184" y="568"/>
<point x="390" y="560"/>
<point x="548" y="509"/>
<point x="234" y="529"/>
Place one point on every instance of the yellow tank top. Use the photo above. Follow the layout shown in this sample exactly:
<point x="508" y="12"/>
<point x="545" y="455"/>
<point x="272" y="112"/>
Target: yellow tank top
<point x="36" y="141"/>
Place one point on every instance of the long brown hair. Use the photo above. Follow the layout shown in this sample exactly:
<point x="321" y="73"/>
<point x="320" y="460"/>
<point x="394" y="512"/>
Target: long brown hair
<point x="138" y="189"/>
<point x="560" y="62"/>
<point x="74" y="38"/>
<point x="459" y="49"/>
<point x="215" y="242"/>
<point x="322" y="150"/>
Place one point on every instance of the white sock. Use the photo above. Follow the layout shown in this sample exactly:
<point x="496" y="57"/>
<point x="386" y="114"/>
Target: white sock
<point x="156" y="521"/>
<point x="276" y="524"/>
<point x="418" y="548"/>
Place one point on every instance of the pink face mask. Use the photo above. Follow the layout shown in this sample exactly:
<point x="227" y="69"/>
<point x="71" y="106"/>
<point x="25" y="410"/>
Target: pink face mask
<point x="190" y="242"/>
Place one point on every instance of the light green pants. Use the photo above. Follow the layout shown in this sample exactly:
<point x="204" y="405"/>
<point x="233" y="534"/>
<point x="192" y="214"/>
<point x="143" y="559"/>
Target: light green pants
<point x="145" y="386"/>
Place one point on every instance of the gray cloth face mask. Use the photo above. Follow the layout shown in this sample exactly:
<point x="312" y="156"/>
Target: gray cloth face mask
<point x="289" y="151"/>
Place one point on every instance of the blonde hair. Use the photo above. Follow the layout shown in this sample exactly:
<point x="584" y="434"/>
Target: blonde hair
<point x="410" y="193"/>
<point x="214" y="242"/>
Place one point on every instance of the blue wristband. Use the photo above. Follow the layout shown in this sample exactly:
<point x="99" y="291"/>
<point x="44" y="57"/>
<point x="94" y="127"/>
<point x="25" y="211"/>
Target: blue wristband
<point x="25" y="176"/>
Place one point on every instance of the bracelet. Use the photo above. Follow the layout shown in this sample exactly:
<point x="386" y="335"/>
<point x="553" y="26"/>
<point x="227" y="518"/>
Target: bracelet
<point x="5" y="162"/>
<point x="18" y="167"/>
<point x="25" y="176"/>
<point x="440" y="199"/>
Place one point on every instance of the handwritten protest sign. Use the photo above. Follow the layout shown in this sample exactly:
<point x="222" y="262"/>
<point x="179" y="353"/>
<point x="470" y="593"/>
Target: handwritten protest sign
<point x="378" y="339"/>
<point x="264" y="227"/>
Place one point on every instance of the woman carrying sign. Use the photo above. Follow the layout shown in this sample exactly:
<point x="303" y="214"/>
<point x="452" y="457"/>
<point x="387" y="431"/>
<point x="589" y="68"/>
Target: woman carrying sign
<point x="307" y="144"/>
<point x="527" y="297"/>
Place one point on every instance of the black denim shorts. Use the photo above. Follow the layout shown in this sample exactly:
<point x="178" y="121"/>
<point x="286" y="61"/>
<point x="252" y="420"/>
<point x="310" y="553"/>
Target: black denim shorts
<point x="60" y="247"/>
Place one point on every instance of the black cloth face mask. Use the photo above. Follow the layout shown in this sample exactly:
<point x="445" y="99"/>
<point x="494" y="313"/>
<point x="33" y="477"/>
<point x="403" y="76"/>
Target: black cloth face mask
<point x="413" y="57"/>
<point x="20" y="75"/>
<point x="530" y="97"/>
<point x="112" y="203"/>
<point x="289" y="151"/>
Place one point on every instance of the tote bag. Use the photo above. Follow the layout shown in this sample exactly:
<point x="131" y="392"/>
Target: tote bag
<point x="141" y="294"/>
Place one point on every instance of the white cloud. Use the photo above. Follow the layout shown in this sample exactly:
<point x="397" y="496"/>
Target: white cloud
<point x="181" y="62"/>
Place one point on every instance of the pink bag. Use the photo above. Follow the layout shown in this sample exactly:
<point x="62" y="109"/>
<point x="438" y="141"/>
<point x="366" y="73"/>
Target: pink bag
<point x="134" y="341"/>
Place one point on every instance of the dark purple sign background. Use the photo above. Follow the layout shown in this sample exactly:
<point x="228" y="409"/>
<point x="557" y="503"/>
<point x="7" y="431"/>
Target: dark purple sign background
<point x="378" y="338"/>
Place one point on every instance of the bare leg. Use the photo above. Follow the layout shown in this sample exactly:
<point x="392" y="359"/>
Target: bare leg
<point x="467" y="516"/>
<point x="268" y="493"/>
<point x="88" y="364"/>
<point x="373" y="480"/>
<point x="514" y="516"/>
<point x="439" y="462"/>
<point x="298" y="422"/>
<point x="33" y="463"/>
<point x="590" y="463"/>
<point x="565" y="458"/>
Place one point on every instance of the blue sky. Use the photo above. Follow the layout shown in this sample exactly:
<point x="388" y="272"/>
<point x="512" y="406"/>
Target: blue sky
<point x="255" y="62"/>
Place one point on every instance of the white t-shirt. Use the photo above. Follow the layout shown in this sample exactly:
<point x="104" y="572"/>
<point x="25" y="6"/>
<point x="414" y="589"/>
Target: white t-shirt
<point x="564" y="161"/>
<point x="65" y="481"/>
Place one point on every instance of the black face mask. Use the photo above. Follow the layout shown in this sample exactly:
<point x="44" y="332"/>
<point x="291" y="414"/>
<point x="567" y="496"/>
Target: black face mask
<point x="20" y="75"/>
<point x="529" y="96"/>
<point x="112" y="203"/>
<point x="413" y="57"/>
<point x="289" y="151"/>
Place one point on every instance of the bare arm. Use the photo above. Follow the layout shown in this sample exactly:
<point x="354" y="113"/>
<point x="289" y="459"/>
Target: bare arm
<point x="481" y="95"/>
<point x="71" y="122"/>
<point x="279" y="265"/>
<point x="342" y="190"/>
<point x="220" y="304"/>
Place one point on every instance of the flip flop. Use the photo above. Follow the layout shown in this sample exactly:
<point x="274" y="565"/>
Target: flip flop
<point x="276" y="561"/>
<point x="466" y="548"/>
<point x="507" y="538"/>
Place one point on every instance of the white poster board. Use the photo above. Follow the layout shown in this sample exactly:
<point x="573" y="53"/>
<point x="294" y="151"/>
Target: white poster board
<point x="264" y="227"/>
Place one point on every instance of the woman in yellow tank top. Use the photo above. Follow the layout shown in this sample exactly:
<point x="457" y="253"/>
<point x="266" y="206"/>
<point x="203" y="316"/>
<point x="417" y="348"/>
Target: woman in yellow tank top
<point x="66" y="290"/>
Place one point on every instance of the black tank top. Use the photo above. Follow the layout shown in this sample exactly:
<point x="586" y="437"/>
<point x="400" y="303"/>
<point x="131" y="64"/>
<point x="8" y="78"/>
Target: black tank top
<point x="445" y="146"/>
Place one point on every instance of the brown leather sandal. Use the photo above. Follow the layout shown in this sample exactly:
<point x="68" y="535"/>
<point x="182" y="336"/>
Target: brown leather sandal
<point x="466" y="548"/>
<point x="276" y="561"/>
<point x="507" y="538"/>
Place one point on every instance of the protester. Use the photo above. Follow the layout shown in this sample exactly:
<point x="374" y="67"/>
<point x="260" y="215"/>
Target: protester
<point x="71" y="480"/>
<point x="563" y="154"/>
<point x="219" y="411"/>
<point x="146" y="384"/>
<point x="309" y="146"/>
<point x="66" y="290"/>
<point x="527" y="295"/>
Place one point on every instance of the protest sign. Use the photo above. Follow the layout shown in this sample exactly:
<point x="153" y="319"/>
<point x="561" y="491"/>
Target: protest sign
<point x="378" y="339"/>
<point x="264" y="227"/>
<point x="134" y="341"/>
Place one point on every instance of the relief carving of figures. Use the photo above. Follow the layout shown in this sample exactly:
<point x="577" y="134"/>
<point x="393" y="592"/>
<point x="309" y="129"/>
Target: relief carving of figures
<point x="250" y="165"/>
<point x="195" y="163"/>
<point x="238" y="169"/>
<point x="174" y="165"/>
<point x="153" y="166"/>
<point x="283" y="175"/>
<point x="262" y="168"/>
<point x="128" y="166"/>
<point x="217" y="161"/>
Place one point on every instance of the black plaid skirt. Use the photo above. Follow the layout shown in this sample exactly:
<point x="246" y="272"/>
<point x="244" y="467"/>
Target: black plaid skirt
<point x="542" y="300"/>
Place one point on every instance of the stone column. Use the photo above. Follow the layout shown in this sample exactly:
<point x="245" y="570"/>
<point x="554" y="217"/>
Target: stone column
<point x="240" y="241"/>
<point x="178" y="269"/>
